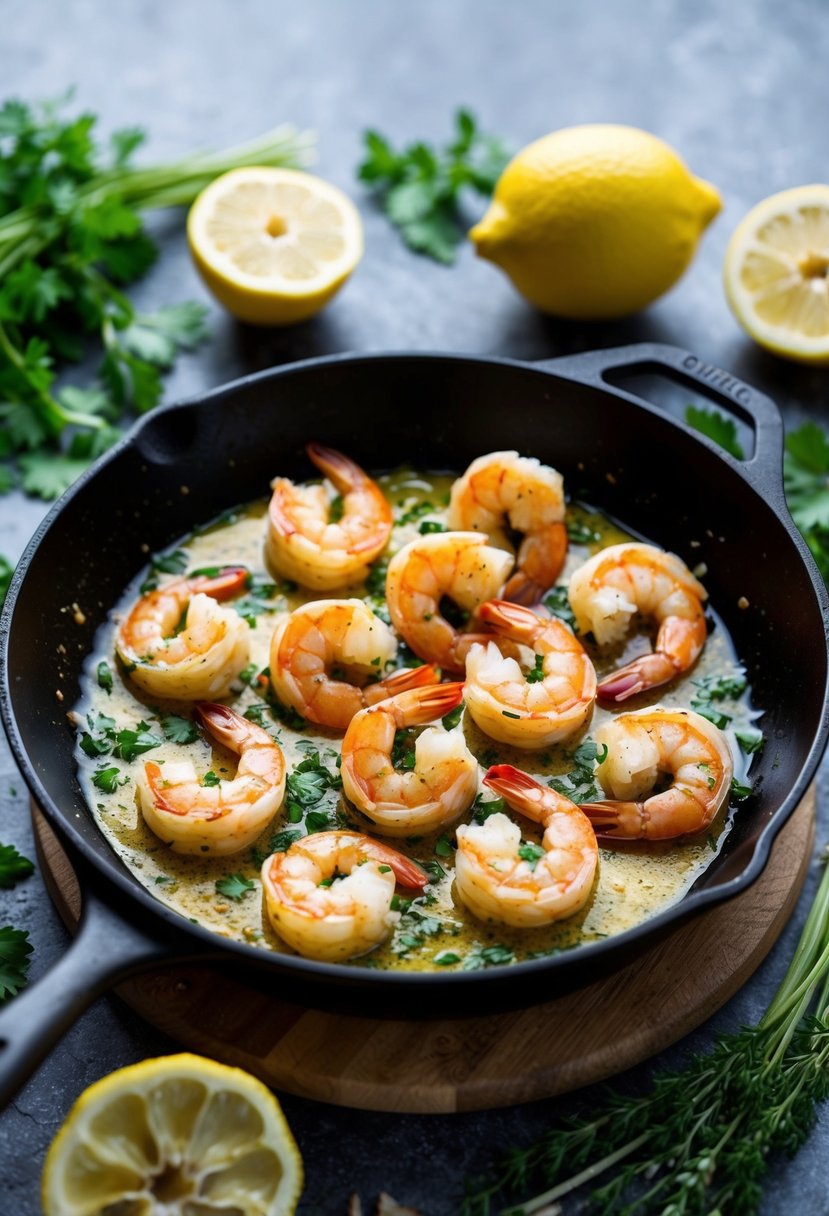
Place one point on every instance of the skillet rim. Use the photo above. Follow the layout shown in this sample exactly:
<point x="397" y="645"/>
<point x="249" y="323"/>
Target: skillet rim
<point x="567" y="367"/>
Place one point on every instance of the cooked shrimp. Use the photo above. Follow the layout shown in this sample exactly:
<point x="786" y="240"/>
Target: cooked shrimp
<point x="193" y="817"/>
<point x="504" y="492"/>
<point x="609" y="589"/>
<point x="499" y="879"/>
<point x="533" y="709"/>
<point x="200" y="660"/>
<point x="329" y="896"/>
<point x="324" y="542"/>
<point x="444" y="780"/>
<point x="644" y="746"/>
<point x="344" y="635"/>
<point x="459" y="566"/>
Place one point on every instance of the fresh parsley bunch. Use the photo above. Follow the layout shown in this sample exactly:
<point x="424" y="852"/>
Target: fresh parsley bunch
<point x="71" y="237"/>
<point x="421" y="187"/>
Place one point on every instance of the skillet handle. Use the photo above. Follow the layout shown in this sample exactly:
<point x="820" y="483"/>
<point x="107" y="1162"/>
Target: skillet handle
<point x="759" y="411"/>
<point x="106" y="950"/>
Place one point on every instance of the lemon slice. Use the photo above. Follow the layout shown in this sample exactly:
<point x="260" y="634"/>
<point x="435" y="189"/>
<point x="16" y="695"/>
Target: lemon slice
<point x="274" y="245"/>
<point x="775" y="273"/>
<point x="177" y="1136"/>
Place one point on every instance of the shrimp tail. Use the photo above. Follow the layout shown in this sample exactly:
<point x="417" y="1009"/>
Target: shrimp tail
<point x="226" y="583"/>
<point x="648" y="671"/>
<point x="421" y="705"/>
<point x="613" y="821"/>
<point x="516" y="620"/>
<point x="222" y="724"/>
<point x="521" y="589"/>
<point x="401" y="681"/>
<point x="406" y="871"/>
<point x="524" y="793"/>
<point x="339" y="469"/>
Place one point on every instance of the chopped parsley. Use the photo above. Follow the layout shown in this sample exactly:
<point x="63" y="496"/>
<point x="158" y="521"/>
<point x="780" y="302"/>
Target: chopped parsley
<point x="178" y="730"/>
<point x="108" y="779"/>
<point x="103" y="673"/>
<point x="210" y="778"/>
<point x="579" y="785"/>
<point x="234" y="886"/>
<point x="531" y="853"/>
<point x="537" y="674"/>
<point x="558" y="601"/>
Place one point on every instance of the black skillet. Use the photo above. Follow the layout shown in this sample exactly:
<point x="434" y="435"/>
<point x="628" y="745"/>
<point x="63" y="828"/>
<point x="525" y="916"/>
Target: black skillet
<point x="182" y="465"/>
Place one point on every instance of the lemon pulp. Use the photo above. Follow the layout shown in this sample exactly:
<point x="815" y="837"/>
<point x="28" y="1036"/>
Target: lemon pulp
<point x="274" y="245"/>
<point x="178" y="1136"/>
<point x="776" y="273"/>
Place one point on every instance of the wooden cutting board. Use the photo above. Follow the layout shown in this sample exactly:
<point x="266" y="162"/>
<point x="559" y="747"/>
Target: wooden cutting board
<point x="471" y="1063"/>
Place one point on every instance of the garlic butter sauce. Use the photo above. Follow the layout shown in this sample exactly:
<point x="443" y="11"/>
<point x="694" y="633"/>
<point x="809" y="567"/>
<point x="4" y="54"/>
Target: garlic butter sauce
<point x="435" y="931"/>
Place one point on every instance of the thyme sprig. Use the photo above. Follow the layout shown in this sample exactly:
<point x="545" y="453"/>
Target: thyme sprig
<point x="703" y="1138"/>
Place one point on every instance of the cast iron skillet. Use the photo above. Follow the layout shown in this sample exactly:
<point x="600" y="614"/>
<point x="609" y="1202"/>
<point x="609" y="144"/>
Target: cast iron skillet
<point x="182" y="465"/>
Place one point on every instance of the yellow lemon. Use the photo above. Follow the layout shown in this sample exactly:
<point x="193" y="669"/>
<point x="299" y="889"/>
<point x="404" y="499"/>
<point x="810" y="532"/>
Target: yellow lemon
<point x="176" y="1136"/>
<point x="595" y="221"/>
<point x="274" y="245"/>
<point x="776" y="273"/>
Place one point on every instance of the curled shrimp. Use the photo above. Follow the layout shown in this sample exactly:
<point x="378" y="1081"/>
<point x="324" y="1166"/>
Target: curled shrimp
<point x="533" y="709"/>
<point x="199" y="660"/>
<point x="527" y="886"/>
<point x="646" y="745"/>
<point x="323" y="542"/>
<point x="229" y="814"/>
<point x="459" y="566"/>
<point x="444" y="780"/>
<point x="622" y="580"/>
<point x="504" y="491"/>
<point x="345" y="636"/>
<point x="329" y="895"/>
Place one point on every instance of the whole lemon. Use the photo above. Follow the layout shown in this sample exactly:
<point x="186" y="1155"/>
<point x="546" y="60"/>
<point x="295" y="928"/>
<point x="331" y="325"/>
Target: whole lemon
<point x="595" y="221"/>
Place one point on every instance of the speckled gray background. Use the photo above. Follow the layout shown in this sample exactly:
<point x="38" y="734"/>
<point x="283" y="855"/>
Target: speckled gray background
<point x="741" y="89"/>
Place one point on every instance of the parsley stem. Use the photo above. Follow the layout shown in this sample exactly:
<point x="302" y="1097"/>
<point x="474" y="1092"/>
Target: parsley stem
<point x="172" y="185"/>
<point x="53" y="413"/>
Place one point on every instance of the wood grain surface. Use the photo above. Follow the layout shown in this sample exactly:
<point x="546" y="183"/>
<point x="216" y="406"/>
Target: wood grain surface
<point x="470" y="1063"/>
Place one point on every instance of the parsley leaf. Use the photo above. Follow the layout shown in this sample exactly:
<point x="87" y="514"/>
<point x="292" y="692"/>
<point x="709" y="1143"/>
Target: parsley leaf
<point x="178" y="730"/>
<point x="108" y="779"/>
<point x="6" y="572"/>
<point x="421" y="188"/>
<point x="557" y="600"/>
<point x="716" y="426"/>
<point x="14" y="961"/>
<point x="13" y="866"/>
<point x="234" y="886"/>
<point x="72" y="209"/>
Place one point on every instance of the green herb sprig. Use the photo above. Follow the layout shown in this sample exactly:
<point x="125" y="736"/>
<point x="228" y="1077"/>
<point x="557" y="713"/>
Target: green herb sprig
<point x="805" y="474"/>
<point x="421" y="187"/>
<point x="705" y="1136"/>
<point x="71" y="237"/>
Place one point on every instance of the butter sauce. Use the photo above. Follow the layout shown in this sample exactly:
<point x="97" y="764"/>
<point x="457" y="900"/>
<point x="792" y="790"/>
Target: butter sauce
<point x="635" y="881"/>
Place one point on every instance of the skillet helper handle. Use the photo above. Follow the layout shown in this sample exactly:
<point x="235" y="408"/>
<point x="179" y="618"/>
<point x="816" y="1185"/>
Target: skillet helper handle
<point x="746" y="403"/>
<point x="106" y="949"/>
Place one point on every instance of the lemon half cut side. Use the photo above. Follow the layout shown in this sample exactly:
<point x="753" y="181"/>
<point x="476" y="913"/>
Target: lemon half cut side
<point x="177" y="1136"/>
<point x="776" y="273"/>
<point x="274" y="245"/>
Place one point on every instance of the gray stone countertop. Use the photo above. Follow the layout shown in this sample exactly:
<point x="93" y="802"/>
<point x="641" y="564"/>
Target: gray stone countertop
<point x="739" y="89"/>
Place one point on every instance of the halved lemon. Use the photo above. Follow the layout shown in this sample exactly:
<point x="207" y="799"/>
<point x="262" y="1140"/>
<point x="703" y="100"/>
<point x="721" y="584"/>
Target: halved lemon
<point x="274" y="245"/>
<point x="176" y="1136"/>
<point x="776" y="273"/>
